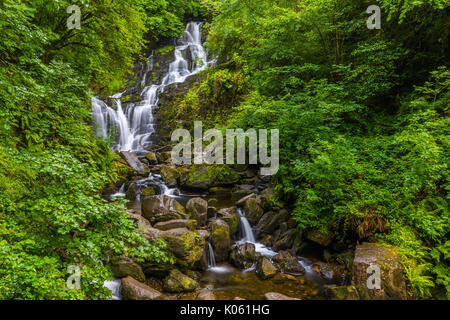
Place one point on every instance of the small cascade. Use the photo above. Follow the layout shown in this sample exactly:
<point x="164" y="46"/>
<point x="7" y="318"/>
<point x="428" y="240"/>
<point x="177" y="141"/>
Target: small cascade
<point x="132" y="126"/>
<point x="115" y="287"/>
<point x="211" y="259"/>
<point x="120" y="193"/>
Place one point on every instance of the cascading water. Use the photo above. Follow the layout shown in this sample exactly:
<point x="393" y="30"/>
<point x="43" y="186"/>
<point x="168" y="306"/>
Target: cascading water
<point x="210" y="256"/>
<point x="133" y="126"/>
<point x="115" y="287"/>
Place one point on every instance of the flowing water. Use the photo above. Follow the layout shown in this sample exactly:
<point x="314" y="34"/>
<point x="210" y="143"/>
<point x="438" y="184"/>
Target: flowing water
<point x="132" y="126"/>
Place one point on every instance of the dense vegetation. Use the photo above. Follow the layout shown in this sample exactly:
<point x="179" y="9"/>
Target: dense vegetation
<point x="52" y="168"/>
<point x="363" y="118"/>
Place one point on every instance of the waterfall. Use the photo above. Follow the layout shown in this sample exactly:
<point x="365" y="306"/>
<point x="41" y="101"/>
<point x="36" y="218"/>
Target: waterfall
<point x="133" y="126"/>
<point x="115" y="287"/>
<point x="210" y="256"/>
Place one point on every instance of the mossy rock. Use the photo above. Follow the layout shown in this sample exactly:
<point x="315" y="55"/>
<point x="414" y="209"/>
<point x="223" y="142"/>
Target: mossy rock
<point x="147" y="192"/>
<point x="177" y="282"/>
<point x="187" y="246"/>
<point x="342" y="293"/>
<point x="124" y="267"/>
<point x="207" y="176"/>
<point x="231" y="217"/>
<point x="220" y="239"/>
<point x="170" y="176"/>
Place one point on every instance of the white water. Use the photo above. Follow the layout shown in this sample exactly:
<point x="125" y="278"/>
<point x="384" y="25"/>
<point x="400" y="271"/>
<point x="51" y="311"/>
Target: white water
<point x="133" y="126"/>
<point x="115" y="287"/>
<point x="211" y="259"/>
<point x="248" y="236"/>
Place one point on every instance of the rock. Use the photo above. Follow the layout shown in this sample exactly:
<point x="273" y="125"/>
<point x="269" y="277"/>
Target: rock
<point x="253" y="210"/>
<point x="220" y="239"/>
<point x="151" y="158"/>
<point x="268" y="198"/>
<point x="241" y="191"/>
<point x="265" y="268"/>
<point x="221" y="191"/>
<point x="170" y="176"/>
<point x="134" y="162"/>
<point x="207" y="176"/>
<point x="288" y="263"/>
<point x="342" y="293"/>
<point x="243" y="255"/>
<point x="286" y="240"/>
<point x="204" y="233"/>
<point x="145" y="228"/>
<point x="132" y="192"/>
<point x="238" y="298"/>
<point x="319" y="237"/>
<point x="197" y="209"/>
<point x="346" y="259"/>
<point x="212" y="211"/>
<point x="231" y="217"/>
<point x="392" y="282"/>
<point x="271" y="221"/>
<point x="172" y="224"/>
<point x="148" y="192"/>
<point x="187" y="246"/>
<point x="277" y="296"/>
<point x="164" y="157"/>
<point x="177" y="282"/>
<point x="240" y="202"/>
<point x="206" y="295"/>
<point x="135" y="290"/>
<point x="125" y="267"/>
<point x="162" y="208"/>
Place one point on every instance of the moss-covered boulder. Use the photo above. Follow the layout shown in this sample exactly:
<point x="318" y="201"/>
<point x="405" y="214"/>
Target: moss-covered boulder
<point x="320" y="237"/>
<point x="135" y="290"/>
<point x="170" y="176"/>
<point x="187" y="246"/>
<point x="220" y="239"/>
<point x="148" y="192"/>
<point x="134" y="162"/>
<point x="161" y="208"/>
<point x="172" y="224"/>
<point x="288" y="263"/>
<point x="243" y="255"/>
<point x="271" y="221"/>
<point x="207" y="176"/>
<point x="286" y="240"/>
<point x="253" y="210"/>
<point x="231" y="217"/>
<point x="342" y="293"/>
<point x="151" y="158"/>
<point x="265" y="269"/>
<point x="177" y="282"/>
<point x="197" y="209"/>
<point x="370" y="257"/>
<point x="124" y="267"/>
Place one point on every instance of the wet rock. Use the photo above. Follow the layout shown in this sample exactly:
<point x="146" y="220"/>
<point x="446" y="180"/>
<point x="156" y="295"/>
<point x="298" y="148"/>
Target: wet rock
<point x="187" y="246"/>
<point x="125" y="267"/>
<point x="172" y="224"/>
<point x="277" y="296"/>
<point x="206" y="295"/>
<point x="170" y="176"/>
<point x="231" y="217"/>
<point x="319" y="237"/>
<point x="162" y="208"/>
<point x="243" y="255"/>
<point x="288" y="263"/>
<point x="207" y="176"/>
<point x="392" y="284"/>
<point x="265" y="268"/>
<point x="271" y="221"/>
<point x="132" y="192"/>
<point x="197" y="209"/>
<point x="220" y="239"/>
<point x="253" y="210"/>
<point x="151" y="158"/>
<point x="241" y="202"/>
<point x="241" y="191"/>
<point x="342" y="293"/>
<point x="134" y="162"/>
<point x="135" y="290"/>
<point x="148" y="192"/>
<point x="177" y="282"/>
<point x="285" y="240"/>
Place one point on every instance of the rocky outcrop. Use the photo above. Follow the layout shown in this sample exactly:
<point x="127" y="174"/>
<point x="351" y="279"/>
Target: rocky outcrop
<point x="135" y="290"/>
<point x="125" y="267"/>
<point x="197" y="209"/>
<point x="220" y="239"/>
<point x="370" y="257"/>
<point x="162" y="208"/>
<point x="265" y="269"/>
<point x="177" y="282"/>
<point x="243" y="255"/>
<point x="187" y="246"/>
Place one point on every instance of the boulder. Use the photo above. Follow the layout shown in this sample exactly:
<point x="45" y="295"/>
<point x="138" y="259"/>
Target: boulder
<point x="204" y="233"/>
<point x="145" y="228"/>
<point x="170" y="176"/>
<point x="148" y="192"/>
<point x="288" y="263"/>
<point x="207" y="176"/>
<point x="177" y="282"/>
<point x="320" y="237"/>
<point x="151" y="158"/>
<point x="187" y="246"/>
<point x="240" y="202"/>
<point x="253" y="210"/>
<point x="231" y="217"/>
<point x="372" y="256"/>
<point x="243" y="255"/>
<point x="220" y="239"/>
<point x="125" y="267"/>
<point x="265" y="268"/>
<point x="134" y="162"/>
<point x="132" y="192"/>
<point x="172" y="224"/>
<point x="271" y="221"/>
<point x="342" y="293"/>
<point x="277" y="296"/>
<point x="197" y="209"/>
<point x="164" y="157"/>
<point x="162" y="208"/>
<point x="206" y="295"/>
<point x="135" y="290"/>
<point x="285" y="240"/>
<point x="219" y="191"/>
